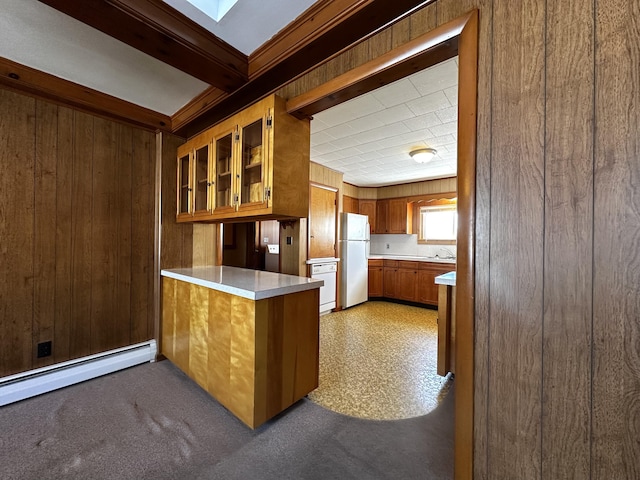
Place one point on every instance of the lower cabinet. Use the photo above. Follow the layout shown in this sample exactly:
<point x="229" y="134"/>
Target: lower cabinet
<point x="376" y="277"/>
<point x="390" y="279"/>
<point x="406" y="280"/>
<point x="408" y="285"/>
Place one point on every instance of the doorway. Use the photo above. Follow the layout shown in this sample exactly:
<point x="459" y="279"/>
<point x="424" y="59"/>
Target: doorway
<point x="457" y="37"/>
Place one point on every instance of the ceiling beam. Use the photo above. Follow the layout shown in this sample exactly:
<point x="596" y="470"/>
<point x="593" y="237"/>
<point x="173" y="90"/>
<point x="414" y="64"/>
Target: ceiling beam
<point x="158" y="30"/>
<point x="360" y="23"/>
<point x="23" y="79"/>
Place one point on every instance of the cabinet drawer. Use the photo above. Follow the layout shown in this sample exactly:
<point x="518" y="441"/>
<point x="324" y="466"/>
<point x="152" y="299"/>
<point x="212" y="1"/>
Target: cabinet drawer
<point x="445" y="267"/>
<point x="391" y="263"/>
<point x="378" y="262"/>
<point x="409" y="265"/>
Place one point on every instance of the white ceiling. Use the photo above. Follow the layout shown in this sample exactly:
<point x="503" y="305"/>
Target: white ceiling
<point x="369" y="138"/>
<point x="40" y="37"/>
<point x="249" y="23"/>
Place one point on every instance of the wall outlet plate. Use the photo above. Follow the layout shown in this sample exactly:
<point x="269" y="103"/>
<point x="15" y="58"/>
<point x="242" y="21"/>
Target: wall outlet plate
<point x="44" y="349"/>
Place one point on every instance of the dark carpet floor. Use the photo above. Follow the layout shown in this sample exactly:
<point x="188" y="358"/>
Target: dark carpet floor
<point x="152" y="422"/>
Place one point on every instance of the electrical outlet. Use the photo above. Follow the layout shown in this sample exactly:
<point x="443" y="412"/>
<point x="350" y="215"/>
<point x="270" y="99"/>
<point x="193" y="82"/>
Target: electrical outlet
<point x="387" y="246"/>
<point x="266" y="240"/>
<point x="44" y="349"/>
<point x="289" y="240"/>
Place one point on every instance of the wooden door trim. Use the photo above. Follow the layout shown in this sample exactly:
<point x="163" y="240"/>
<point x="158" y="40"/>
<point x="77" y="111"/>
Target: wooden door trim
<point x="461" y="34"/>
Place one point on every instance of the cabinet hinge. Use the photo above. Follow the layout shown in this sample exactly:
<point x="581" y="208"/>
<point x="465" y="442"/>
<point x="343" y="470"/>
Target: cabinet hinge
<point x="267" y="193"/>
<point x="235" y="199"/>
<point x="269" y="121"/>
<point x="236" y="135"/>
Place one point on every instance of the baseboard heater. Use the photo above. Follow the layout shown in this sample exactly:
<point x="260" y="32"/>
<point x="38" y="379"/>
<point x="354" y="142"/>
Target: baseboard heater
<point x="46" y="379"/>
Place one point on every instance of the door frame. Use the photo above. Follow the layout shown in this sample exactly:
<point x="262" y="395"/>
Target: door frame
<point x="458" y="37"/>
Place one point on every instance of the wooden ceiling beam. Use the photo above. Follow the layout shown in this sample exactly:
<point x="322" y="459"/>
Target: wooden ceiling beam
<point x="364" y="19"/>
<point x="23" y="79"/>
<point x="158" y="30"/>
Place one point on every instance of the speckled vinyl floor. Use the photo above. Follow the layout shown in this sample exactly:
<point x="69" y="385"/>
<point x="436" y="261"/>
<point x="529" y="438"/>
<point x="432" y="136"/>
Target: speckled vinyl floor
<point x="378" y="361"/>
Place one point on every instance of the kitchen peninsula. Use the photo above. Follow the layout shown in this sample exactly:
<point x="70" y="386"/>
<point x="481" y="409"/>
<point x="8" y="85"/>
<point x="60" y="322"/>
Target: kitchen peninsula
<point x="250" y="338"/>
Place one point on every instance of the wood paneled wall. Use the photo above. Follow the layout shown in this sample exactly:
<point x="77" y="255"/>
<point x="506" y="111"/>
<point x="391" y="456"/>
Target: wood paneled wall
<point x="76" y="233"/>
<point x="557" y="294"/>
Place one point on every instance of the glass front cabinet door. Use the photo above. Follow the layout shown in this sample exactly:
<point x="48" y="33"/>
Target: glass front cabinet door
<point x="224" y="184"/>
<point x="184" y="190"/>
<point x="202" y="204"/>
<point x="254" y="156"/>
<point x="253" y="164"/>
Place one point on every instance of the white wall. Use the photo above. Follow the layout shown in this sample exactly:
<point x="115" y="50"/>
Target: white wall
<point x="406" y="245"/>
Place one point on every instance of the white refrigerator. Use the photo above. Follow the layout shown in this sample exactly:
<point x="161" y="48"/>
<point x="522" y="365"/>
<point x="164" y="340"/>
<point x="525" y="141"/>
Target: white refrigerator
<point x="354" y="248"/>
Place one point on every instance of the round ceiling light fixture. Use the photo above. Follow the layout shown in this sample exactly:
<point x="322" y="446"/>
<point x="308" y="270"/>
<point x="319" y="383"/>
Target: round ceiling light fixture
<point x="423" y="155"/>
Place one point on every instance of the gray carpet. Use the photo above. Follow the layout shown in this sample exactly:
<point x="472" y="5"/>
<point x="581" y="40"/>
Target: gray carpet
<point x="152" y="422"/>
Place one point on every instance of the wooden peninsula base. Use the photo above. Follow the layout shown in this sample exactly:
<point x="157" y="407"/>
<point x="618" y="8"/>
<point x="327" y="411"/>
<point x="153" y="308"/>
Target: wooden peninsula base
<point x="256" y="357"/>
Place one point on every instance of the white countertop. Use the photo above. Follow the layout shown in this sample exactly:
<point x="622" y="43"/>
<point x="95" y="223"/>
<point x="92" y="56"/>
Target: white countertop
<point x="412" y="258"/>
<point x="251" y="284"/>
<point x="446" y="279"/>
<point x="320" y="261"/>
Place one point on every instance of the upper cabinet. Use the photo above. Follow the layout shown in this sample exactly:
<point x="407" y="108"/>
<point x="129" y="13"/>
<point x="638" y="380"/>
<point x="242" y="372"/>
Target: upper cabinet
<point x="390" y="216"/>
<point x="255" y="164"/>
<point x="368" y="207"/>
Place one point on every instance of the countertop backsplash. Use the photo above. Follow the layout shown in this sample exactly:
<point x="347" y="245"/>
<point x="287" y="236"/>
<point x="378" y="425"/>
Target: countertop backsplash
<point x="407" y="245"/>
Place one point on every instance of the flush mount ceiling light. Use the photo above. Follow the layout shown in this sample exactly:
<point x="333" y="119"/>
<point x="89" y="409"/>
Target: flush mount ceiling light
<point x="423" y="155"/>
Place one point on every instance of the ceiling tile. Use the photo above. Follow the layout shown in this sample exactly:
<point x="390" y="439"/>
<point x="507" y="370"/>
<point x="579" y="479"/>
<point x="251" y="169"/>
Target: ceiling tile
<point x="444" y="129"/>
<point x="396" y="93"/>
<point x="448" y="114"/>
<point x="371" y="145"/>
<point x="429" y="103"/>
<point x="423" y="122"/>
<point x="436" y="78"/>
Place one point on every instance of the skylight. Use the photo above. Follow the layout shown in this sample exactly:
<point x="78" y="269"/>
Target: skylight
<point x="215" y="9"/>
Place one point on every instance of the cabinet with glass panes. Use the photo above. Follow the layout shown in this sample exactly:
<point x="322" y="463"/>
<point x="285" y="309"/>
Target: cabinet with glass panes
<point x="259" y="166"/>
<point x="194" y="179"/>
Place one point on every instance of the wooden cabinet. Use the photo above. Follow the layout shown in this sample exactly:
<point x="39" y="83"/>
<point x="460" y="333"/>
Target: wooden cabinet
<point x="406" y="280"/>
<point x="251" y="167"/>
<point x="350" y="204"/>
<point x="382" y="214"/>
<point x="391" y="216"/>
<point x="194" y="178"/>
<point x="390" y="278"/>
<point x="428" y="290"/>
<point x="397" y="216"/>
<point x="368" y="208"/>
<point x="376" y="278"/>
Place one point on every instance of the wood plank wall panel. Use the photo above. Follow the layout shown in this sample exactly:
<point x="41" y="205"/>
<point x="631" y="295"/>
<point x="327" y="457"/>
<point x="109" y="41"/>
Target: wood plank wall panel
<point x="533" y="174"/>
<point x="64" y="237"/>
<point x="67" y="219"/>
<point x="142" y="238"/>
<point x="44" y="255"/>
<point x="616" y="301"/>
<point x="124" y="207"/>
<point x="566" y="379"/>
<point x="17" y="137"/>
<point x="177" y="239"/>
<point x="82" y="245"/>
<point x="517" y="223"/>
<point x="104" y="268"/>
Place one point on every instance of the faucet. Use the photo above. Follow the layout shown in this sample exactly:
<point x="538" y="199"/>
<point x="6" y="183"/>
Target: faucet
<point x="448" y="254"/>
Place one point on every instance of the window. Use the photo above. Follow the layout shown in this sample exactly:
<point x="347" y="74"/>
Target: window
<point x="438" y="222"/>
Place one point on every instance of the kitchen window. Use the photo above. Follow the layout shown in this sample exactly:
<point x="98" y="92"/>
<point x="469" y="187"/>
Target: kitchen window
<point x="438" y="222"/>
